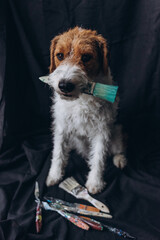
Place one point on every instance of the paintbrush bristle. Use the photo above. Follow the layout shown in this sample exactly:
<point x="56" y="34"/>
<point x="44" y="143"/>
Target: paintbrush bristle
<point x="44" y="79"/>
<point x="106" y="92"/>
<point x="36" y="191"/>
<point x="69" y="184"/>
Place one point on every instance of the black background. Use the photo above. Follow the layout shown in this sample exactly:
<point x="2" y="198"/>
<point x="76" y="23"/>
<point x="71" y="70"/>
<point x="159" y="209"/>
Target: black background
<point x="132" y="30"/>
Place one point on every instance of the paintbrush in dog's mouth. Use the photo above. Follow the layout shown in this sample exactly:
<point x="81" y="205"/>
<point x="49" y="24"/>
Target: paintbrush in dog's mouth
<point x="103" y="91"/>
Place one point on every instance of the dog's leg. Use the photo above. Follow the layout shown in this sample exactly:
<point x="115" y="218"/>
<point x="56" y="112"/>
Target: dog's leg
<point x="118" y="147"/>
<point x="59" y="159"/>
<point x="97" y="158"/>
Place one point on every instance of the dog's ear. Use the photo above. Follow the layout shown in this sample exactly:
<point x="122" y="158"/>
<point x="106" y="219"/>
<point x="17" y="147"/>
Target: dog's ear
<point x="103" y="53"/>
<point x="52" y="50"/>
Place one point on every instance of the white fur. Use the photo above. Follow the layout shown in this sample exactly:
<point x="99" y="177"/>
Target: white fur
<point x="84" y="123"/>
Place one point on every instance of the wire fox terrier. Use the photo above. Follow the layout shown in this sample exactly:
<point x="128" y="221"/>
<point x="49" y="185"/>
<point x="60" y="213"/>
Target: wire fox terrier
<point x="82" y="122"/>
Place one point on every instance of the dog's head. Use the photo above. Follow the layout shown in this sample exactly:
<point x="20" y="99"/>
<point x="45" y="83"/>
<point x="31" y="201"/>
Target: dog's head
<point x="76" y="57"/>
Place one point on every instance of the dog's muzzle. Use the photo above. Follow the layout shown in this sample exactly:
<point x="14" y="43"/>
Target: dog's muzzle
<point x="66" y="86"/>
<point x="68" y="81"/>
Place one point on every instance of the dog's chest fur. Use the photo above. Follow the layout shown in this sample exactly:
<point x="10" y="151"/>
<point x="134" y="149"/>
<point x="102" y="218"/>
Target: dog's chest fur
<point x="83" y="117"/>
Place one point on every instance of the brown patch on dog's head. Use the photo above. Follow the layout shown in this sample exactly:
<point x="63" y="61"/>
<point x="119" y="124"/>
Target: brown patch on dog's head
<point x="82" y="47"/>
<point x="52" y="50"/>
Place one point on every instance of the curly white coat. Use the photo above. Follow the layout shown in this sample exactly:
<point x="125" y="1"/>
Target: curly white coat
<point x="84" y="123"/>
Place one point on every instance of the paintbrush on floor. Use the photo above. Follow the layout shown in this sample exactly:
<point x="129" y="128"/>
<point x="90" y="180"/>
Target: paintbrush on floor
<point x="69" y="216"/>
<point x="100" y="226"/>
<point x="78" y="208"/>
<point x="73" y="187"/>
<point x="38" y="209"/>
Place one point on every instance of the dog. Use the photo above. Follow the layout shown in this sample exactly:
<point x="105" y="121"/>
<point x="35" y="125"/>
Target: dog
<point x="82" y="122"/>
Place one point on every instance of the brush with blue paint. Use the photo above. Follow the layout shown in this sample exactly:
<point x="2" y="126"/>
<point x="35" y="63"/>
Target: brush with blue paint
<point x="103" y="91"/>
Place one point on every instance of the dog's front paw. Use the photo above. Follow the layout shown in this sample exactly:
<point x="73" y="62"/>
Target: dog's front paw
<point x="119" y="161"/>
<point x="95" y="185"/>
<point x="53" y="177"/>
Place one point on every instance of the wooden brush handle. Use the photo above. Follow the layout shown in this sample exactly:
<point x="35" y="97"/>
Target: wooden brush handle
<point x="79" y="223"/>
<point x="98" y="204"/>
<point x="85" y="195"/>
<point x="87" y="208"/>
<point x="94" y="224"/>
<point x="74" y="219"/>
<point x="38" y="217"/>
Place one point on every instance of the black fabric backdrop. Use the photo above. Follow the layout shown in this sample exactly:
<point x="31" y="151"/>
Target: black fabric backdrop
<point x="132" y="30"/>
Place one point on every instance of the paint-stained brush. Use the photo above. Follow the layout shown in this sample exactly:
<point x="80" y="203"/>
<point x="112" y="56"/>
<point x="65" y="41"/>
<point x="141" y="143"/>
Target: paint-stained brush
<point x="92" y="223"/>
<point x="103" y="91"/>
<point x="70" y="217"/>
<point x="100" y="226"/>
<point x="38" y="209"/>
<point x="73" y="187"/>
<point x="78" y="208"/>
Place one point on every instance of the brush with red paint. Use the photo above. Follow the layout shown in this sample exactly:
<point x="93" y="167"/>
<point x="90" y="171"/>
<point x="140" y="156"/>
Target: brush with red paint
<point x="38" y="209"/>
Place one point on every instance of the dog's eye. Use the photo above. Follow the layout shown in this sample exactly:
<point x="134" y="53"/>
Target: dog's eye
<point x="60" y="56"/>
<point x="86" y="58"/>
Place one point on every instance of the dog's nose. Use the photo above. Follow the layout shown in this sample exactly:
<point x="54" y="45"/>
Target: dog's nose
<point x="66" y="86"/>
